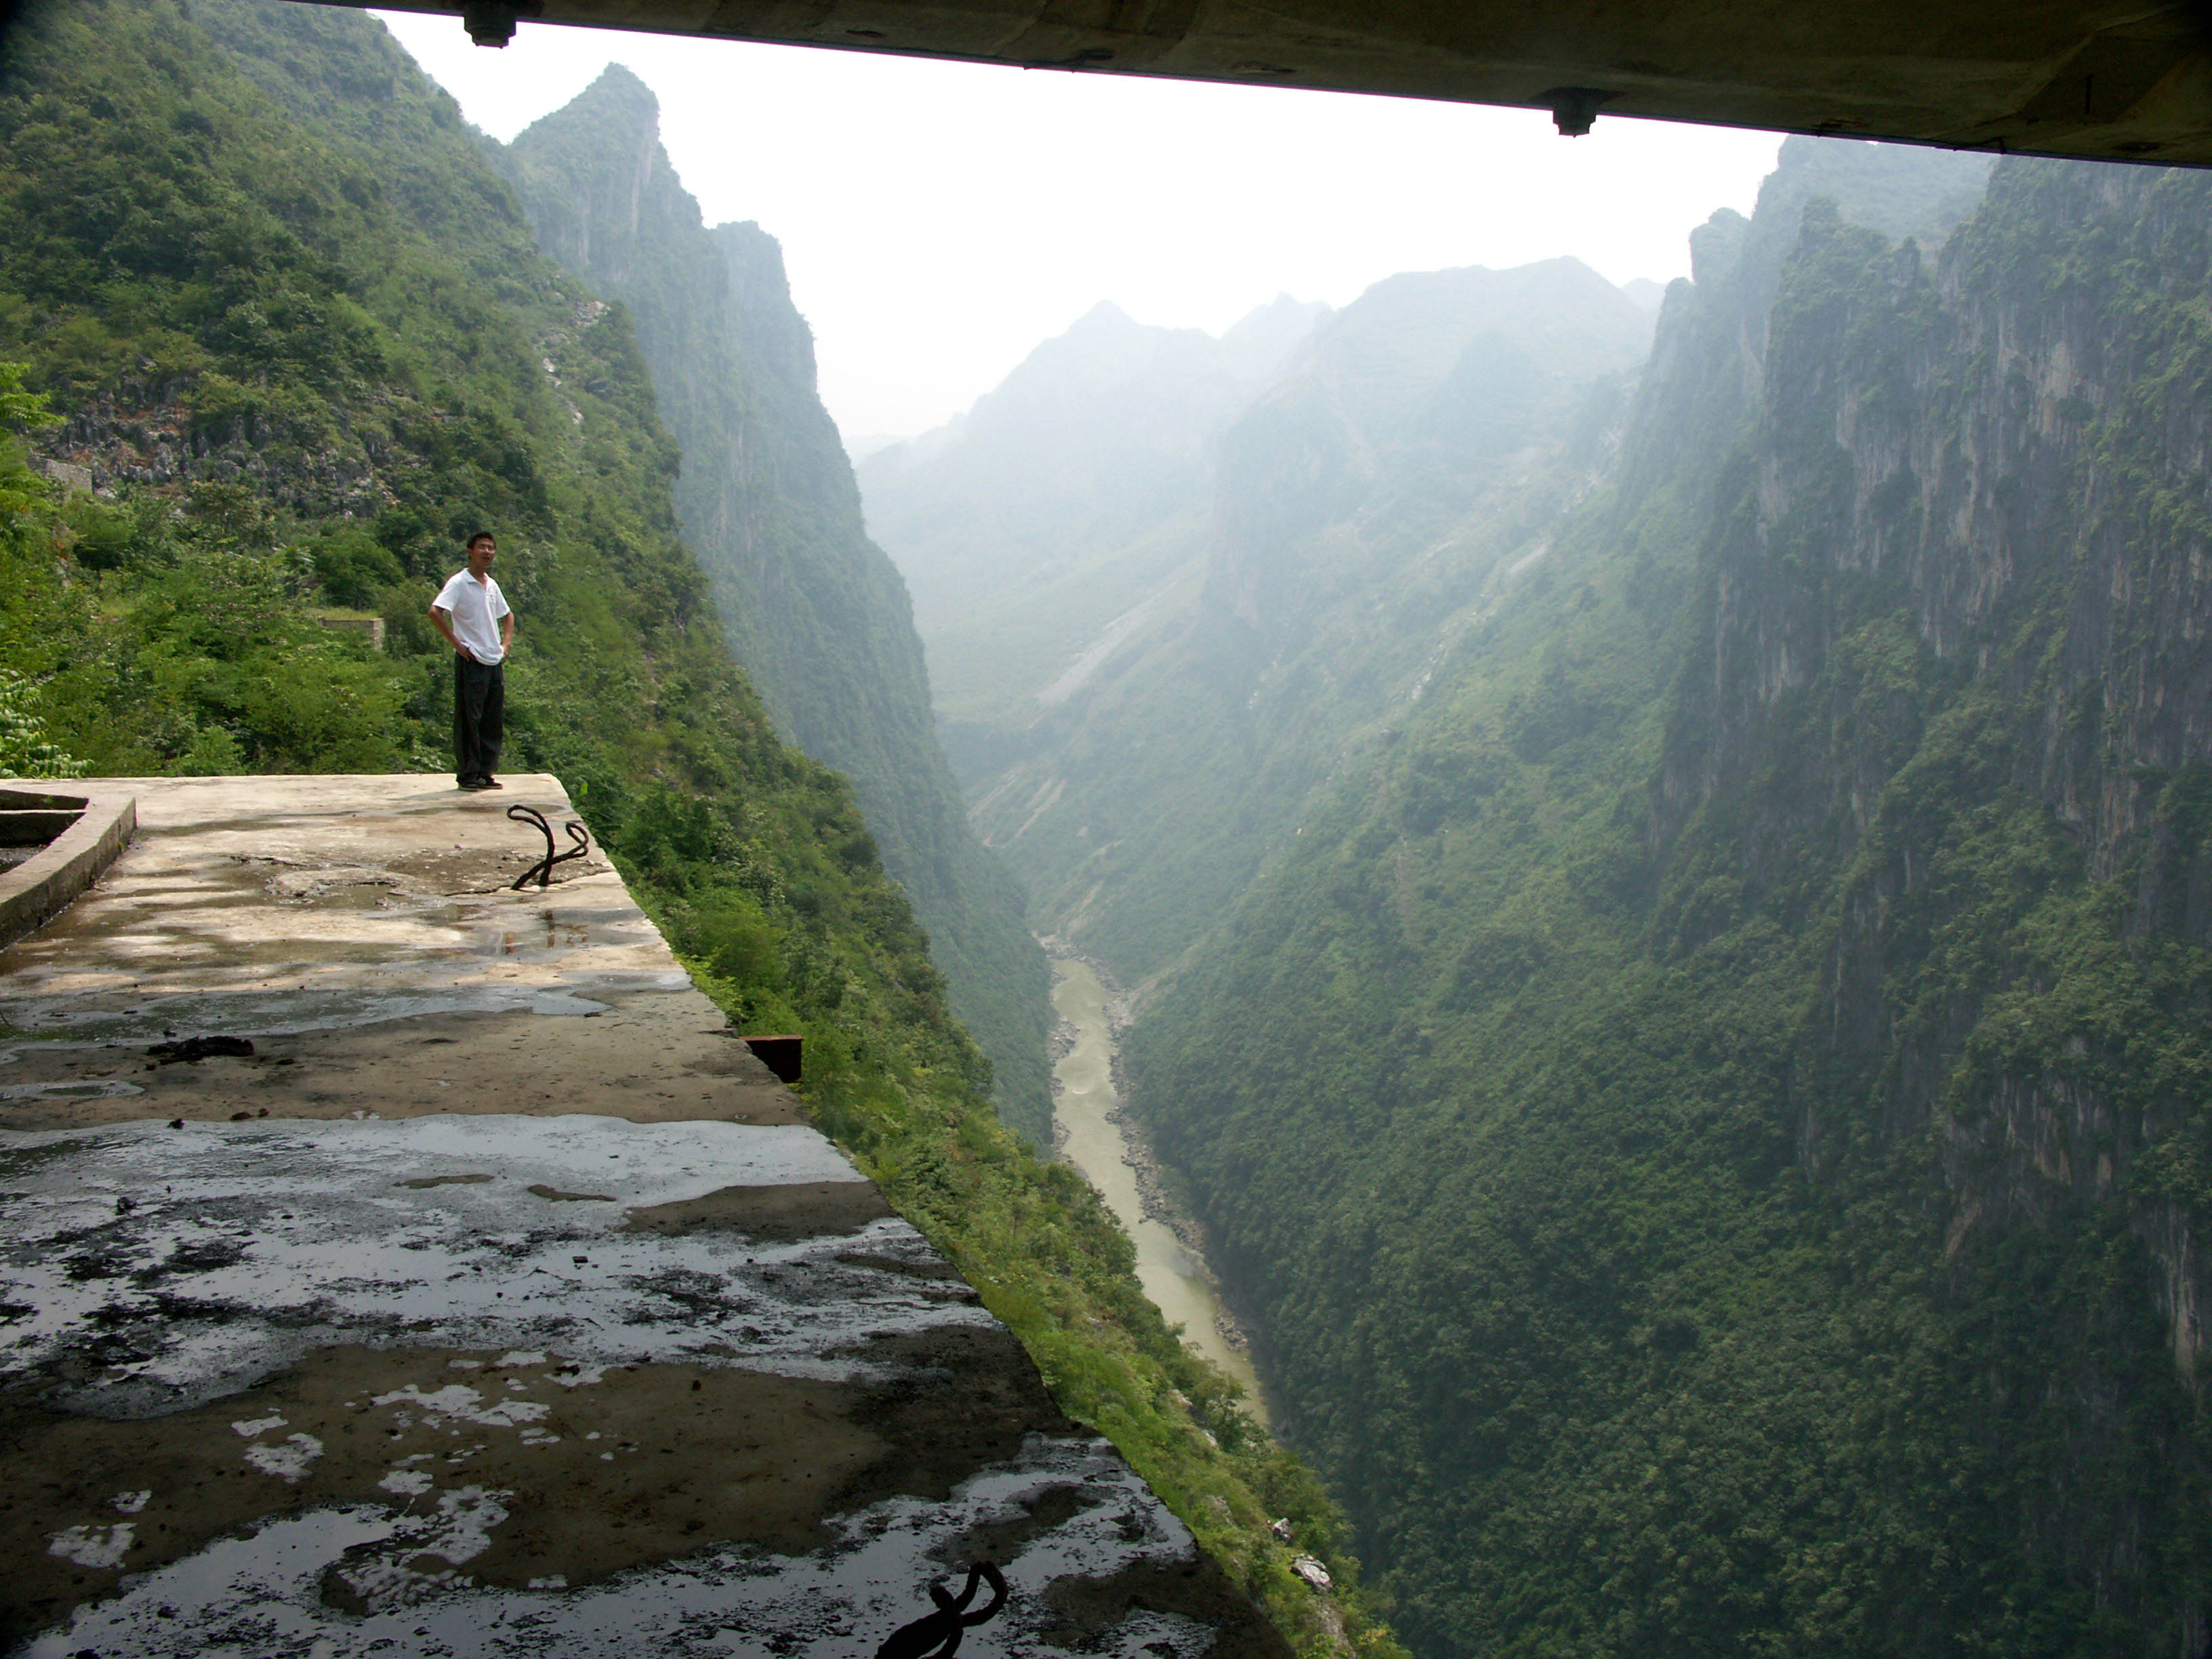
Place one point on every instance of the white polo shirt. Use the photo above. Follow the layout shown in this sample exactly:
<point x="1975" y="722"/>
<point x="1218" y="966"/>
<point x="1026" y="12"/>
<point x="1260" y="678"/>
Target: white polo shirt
<point x="476" y="608"/>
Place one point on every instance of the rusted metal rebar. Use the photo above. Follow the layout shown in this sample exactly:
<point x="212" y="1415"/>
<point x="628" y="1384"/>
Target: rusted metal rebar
<point x="542" y="870"/>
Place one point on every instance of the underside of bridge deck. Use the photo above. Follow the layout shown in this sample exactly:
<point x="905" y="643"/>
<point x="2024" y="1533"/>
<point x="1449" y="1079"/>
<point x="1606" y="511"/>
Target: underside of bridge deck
<point x="2098" y="78"/>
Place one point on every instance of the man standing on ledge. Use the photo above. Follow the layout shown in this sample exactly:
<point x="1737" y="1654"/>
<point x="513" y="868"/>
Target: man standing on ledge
<point x="473" y="614"/>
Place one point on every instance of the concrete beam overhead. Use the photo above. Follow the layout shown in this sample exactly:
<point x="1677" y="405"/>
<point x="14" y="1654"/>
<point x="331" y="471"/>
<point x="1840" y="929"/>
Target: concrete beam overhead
<point x="2102" y="79"/>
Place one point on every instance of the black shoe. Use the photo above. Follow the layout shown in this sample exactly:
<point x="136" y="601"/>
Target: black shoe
<point x="473" y="784"/>
<point x="490" y="783"/>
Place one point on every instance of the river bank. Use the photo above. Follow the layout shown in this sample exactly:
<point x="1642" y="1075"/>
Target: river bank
<point x="1093" y="1132"/>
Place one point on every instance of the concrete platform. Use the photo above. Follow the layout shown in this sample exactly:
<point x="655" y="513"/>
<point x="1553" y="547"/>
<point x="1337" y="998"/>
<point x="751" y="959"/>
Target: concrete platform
<point x="499" y="1303"/>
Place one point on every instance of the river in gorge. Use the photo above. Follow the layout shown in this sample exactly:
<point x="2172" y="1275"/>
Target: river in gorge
<point x="1176" y="1280"/>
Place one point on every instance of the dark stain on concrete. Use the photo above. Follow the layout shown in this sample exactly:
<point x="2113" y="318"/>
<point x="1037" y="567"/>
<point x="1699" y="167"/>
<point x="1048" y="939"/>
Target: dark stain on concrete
<point x="778" y="1214"/>
<point x="655" y="1057"/>
<point x="1002" y="1540"/>
<point x="598" y="1472"/>
<point x="1196" y="1590"/>
<point x="933" y="1268"/>
<point x="963" y="1397"/>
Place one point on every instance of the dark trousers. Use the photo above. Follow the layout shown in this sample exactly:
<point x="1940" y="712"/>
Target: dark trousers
<point x="479" y="717"/>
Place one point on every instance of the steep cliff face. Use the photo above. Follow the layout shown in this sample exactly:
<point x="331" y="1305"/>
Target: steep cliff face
<point x="1709" y="357"/>
<point x="1710" y="1118"/>
<point x="2017" y="431"/>
<point x="818" y="615"/>
<point x="1992" y="467"/>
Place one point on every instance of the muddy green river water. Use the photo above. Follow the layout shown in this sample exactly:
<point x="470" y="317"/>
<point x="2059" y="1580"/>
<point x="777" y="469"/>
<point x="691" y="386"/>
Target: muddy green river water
<point x="1180" y="1284"/>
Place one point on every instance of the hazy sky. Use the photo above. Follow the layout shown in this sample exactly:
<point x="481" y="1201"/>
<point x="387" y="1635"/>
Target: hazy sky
<point x="940" y="219"/>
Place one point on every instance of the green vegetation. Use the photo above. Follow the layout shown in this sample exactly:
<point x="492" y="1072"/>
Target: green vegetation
<point x="1703" y="1113"/>
<point x="302" y="341"/>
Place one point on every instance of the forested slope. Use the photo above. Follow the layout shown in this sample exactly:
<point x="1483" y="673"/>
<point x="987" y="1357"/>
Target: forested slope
<point x="1710" y="1114"/>
<point x="766" y="498"/>
<point x="299" y="345"/>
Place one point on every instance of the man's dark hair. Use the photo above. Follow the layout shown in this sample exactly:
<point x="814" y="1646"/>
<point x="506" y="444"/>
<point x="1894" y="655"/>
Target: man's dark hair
<point x="481" y="536"/>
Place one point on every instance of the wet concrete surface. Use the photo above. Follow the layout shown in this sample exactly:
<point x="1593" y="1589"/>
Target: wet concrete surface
<point x="498" y="1302"/>
<point x="662" y="1058"/>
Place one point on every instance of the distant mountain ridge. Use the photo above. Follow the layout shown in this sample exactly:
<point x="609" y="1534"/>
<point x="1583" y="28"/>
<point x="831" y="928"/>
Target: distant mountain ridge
<point x="1127" y="712"/>
<point x="1405" y="335"/>
<point x="1097" y="437"/>
<point x="1426" y="383"/>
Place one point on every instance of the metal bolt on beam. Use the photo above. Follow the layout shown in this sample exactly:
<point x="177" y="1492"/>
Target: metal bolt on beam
<point x="489" y="22"/>
<point x="1574" y="109"/>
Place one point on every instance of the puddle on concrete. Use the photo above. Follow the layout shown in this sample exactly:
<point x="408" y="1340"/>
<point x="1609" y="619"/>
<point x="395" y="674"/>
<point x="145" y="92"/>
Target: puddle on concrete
<point x="102" y="1089"/>
<point x="268" y="1594"/>
<point x="352" y="1388"/>
<point x="557" y="1004"/>
<point x="555" y="934"/>
<point x="565" y="1470"/>
<point x="151" y="1270"/>
<point x="331" y="1388"/>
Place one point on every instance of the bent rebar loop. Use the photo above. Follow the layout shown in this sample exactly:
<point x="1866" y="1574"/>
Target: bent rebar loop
<point x="543" y="868"/>
<point x="937" y="1635"/>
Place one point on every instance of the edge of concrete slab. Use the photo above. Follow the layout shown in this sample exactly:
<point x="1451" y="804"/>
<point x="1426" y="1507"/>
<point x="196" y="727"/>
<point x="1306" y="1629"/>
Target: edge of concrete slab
<point x="38" y="889"/>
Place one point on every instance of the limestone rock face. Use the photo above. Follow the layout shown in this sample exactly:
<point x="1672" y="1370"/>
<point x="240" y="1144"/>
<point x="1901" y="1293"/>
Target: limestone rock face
<point x="765" y="495"/>
<point x="2005" y="455"/>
